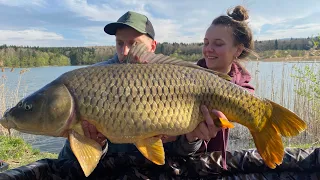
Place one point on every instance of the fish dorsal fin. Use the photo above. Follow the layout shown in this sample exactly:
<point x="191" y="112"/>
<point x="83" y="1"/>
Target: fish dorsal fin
<point x="136" y="51"/>
<point x="139" y="54"/>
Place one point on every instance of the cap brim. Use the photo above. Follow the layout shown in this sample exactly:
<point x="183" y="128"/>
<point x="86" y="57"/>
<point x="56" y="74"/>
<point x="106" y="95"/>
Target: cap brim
<point x="112" y="28"/>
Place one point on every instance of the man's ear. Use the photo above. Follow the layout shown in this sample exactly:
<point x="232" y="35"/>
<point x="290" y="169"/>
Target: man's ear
<point x="153" y="45"/>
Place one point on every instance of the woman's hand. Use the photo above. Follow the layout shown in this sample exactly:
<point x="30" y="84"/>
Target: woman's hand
<point x="206" y="130"/>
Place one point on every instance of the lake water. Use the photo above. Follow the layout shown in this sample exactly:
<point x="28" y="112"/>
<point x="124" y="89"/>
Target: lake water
<point x="267" y="77"/>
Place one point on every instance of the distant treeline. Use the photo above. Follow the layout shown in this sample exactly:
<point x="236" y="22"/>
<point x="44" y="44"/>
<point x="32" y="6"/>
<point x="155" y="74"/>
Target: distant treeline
<point x="294" y="47"/>
<point x="18" y="56"/>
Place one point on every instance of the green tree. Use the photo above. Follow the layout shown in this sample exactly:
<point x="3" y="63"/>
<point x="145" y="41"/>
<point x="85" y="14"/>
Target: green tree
<point x="309" y="77"/>
<point x="310" y="80"/>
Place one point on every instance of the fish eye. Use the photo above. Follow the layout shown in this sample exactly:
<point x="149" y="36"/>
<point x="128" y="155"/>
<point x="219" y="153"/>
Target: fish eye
<point x="20" y="104"/>
<point x="28" y="107"/>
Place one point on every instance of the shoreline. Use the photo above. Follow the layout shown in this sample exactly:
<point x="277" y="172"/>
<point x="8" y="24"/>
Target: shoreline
<point x="292" y="59"/>
<point x="315" y="59"/>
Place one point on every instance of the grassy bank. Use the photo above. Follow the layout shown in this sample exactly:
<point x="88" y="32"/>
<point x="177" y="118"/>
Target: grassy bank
<point x="304" y="146"/>
<point x="16" y="152"/>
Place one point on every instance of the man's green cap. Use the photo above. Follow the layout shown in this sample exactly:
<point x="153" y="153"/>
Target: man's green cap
<point x="135" y="20"/>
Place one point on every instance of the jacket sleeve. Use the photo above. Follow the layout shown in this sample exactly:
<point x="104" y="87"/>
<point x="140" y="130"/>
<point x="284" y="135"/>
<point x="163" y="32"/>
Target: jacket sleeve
<point x="182" y="146"/>
<point x="113" y="60"/>
<point x="66" y="152"/>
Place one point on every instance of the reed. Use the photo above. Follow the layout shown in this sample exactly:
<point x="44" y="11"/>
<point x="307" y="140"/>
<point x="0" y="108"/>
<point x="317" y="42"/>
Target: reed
<point x="279" y="82"/>
<point x="10" y="93"/>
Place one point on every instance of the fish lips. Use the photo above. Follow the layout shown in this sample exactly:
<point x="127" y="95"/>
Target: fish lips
<point x="6" y="120"/>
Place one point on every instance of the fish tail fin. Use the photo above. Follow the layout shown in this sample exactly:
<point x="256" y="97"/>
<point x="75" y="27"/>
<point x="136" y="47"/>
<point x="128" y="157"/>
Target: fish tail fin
<point x="285" y="121"/>
<point x="269" y="145"/>
<point x="280" y="122"/>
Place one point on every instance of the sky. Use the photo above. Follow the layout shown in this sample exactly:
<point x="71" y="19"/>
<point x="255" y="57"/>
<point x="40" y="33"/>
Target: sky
<point x="56" y="23"/>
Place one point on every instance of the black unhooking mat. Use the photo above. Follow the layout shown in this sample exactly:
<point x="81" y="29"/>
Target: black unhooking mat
<point x="246" y="164"/>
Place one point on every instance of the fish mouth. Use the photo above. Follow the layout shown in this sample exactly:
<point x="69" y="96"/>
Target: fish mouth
<point x="6" y="123"/>
<point x="7" y="120"/>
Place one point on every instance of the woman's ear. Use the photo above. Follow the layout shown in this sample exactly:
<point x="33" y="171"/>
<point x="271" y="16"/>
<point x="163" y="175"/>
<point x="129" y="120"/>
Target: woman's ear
<point x="240" y="49"/>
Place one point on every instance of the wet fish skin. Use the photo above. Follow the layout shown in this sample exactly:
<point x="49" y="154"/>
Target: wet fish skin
<point x="140" y="100"/>
<point x="132" y="103"/>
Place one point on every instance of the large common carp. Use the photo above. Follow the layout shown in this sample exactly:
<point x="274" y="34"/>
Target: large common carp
<point x="133" y="103"/>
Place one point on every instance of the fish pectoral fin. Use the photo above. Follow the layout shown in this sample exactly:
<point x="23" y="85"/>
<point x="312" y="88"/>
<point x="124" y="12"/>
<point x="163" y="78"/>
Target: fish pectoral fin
<point x="152" y="149"/>
<point x="224" y="123"/>
<point x="87" y="151"/>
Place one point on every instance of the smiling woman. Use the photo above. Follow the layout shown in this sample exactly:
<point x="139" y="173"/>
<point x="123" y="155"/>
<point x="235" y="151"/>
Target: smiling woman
<point x="227" y="40"/>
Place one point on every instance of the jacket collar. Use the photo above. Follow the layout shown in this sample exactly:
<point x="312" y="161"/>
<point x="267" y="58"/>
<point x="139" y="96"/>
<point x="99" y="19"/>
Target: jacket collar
<point x="238" y="73"/>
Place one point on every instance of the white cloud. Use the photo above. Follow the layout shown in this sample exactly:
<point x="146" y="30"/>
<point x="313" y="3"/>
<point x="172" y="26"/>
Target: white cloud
<point x="96" y="36"/>
<point x="306" y="26"/>
<point x="102" y="12"/>
<point x="166" y="30"/>
<point x="23" y="2"/>
<point x="30" y="37"/>
<point x="256" y="22"/>
<point x="174" y="21"/>
<point x="173" y="31"/>
<point x="298" y="31"/>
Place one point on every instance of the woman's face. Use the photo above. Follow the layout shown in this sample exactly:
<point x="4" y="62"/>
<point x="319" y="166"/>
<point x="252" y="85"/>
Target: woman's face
<point x="219" y="49"/>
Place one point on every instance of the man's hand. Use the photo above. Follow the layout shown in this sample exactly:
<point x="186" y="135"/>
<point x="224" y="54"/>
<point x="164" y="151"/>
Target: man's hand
<point x="166" y="138"/>
<point x="91" y="132"/>
<point x="206" y="129"/>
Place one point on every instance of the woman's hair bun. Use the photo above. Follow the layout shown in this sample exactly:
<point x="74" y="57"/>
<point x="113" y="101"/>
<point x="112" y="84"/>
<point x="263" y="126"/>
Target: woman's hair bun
<point x="239" y="13"/>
